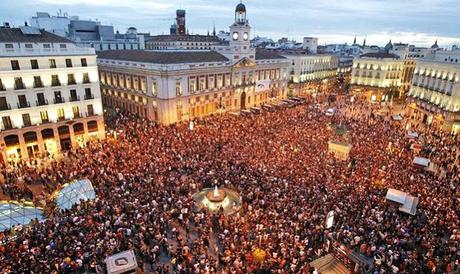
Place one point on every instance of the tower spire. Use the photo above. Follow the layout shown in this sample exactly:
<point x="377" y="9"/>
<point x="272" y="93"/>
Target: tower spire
<point x="354" y="41"/>
<point x="214" y="30"/>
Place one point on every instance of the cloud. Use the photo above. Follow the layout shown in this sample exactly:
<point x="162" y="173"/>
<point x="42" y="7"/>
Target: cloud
<point x="419" y="22"/>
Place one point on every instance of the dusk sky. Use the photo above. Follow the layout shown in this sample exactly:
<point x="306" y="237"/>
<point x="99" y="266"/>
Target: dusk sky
<point x="418" y="22"/>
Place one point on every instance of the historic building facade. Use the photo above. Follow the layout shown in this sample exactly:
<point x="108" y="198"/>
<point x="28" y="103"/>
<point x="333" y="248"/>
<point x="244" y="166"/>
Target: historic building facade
<point x="172" y="86"/>
<point x="49" y="94"/>
<point x="377" y="75"/>
<point x="308" y="71"/>
<point x="434" y="96"/>
<point x="182" y="42"/>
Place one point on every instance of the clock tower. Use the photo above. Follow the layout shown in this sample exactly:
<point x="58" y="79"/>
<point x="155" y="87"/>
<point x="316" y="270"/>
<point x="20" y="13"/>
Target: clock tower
<point x="240" y="44"/>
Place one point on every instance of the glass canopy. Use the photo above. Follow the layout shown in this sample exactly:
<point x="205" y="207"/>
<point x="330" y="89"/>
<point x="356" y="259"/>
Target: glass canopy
<point x="14" y="213"/>
<point x="74" y="192"/>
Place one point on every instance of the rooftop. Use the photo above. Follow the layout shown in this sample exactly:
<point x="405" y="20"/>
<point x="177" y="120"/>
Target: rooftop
<point x="30" y="35"/>
<point x="263" y="54"/>
<point x="380" y="55"/>
<point x="163" y="57"/>
<point x="183" y="38"/>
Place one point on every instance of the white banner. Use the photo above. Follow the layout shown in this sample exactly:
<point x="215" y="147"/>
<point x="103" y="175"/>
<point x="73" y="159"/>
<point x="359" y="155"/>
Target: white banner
<point x="263" y="85"/>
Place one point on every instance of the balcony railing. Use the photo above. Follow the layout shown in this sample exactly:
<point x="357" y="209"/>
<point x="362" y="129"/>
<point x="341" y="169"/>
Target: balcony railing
<point x="89" y="96"/>
<point x="19" y="86"/>
<point x="74" y="98"/>
<point x="5" y="107"/>
<point x="77" y="115"/>
<point x="55" y="83"/>
<point x="86" y="81"/>
<point x="24" y="104"/>
<point x="71" y="82"/>
<point x="59" y="100"/>
<point x="61" y="118"/>
<point x="42" y="102"/>
<point x="2" y="87"/>
<point x="38" y="84"/>
<point x="90" y="113"/>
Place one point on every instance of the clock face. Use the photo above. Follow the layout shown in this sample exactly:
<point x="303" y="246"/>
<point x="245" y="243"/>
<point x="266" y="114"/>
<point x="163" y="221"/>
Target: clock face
<point x="235" y="36"/>
<point x="245" y="36"/>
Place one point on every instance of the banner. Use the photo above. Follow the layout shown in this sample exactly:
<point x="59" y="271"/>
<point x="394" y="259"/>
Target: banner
<point x="262" y="85"/>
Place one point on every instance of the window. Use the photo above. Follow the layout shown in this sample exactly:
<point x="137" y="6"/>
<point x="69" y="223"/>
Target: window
<point x="57" y="97"/>
<point x="60" y="114"/>
<point x="154" y="88"/>
<point x="22" y="101"/>
<point x="46" y="46"/>
<point x="38" y="82"/>
<point x="34" y="64"/>
<point x="73" y="95"/>
<point x="90" y="110"/>
<point x="26" y="120"/>
<point x="86" y="78"/>
<point x="71" y="79"/>
<point x="18" y="84"/>
<point x="29" y="46"/>
<point x="178" y="89"/>
<point x="44" y="116"/>
<point x="68" y="63"/>
<point x="55" y="81"/>
<point x="88" y="94"/>
<point x="2" y="87"/>
<point x="15" y="65"/>
<point x="76" y="112"/>
<point x="41" y="99"/>
<point x="7" y="122"/>
<point x="9" y="46"/>
<point x="83" y="62"/>
<point x="4" y="104"/>
<point x="62" y="46"/>
<point x="52" y="63"/>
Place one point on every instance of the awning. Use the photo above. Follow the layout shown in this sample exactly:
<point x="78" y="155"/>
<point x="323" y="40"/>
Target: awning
<point x="408" y="204"/>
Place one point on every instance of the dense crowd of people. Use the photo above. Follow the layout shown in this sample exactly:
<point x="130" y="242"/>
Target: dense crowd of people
<point x="288" y="180"/>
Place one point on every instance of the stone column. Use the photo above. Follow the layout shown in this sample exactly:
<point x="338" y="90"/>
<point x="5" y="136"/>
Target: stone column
<point x="41" y="144"/>
<point x="22" y="145"/>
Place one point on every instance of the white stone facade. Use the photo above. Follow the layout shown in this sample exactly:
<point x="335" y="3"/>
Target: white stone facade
<point x="49" y="98"/>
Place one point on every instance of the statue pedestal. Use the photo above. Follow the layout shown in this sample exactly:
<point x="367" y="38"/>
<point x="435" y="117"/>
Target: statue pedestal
<point x="340" y="150"/>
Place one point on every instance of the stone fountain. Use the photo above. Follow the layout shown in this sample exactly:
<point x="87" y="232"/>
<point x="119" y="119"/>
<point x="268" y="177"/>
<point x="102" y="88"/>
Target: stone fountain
<point x="216" y="198"/>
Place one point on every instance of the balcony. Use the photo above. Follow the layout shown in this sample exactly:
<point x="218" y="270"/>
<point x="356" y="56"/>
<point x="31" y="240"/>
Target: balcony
<point x="2" y="87"/>
<point x="41" y="102"/>
<point x="55" y="83"/>
<point x="5" y="107"/>
<point x="77" y="115"/>
<point x="38" y="84"/>
<point x="19" y="86"/>
<point x="71" y="82"/>
<point x="74" y="98"/>
<point x="90" y="113"/>
<point x="24" y="104"/>
<point x="89" y="96"/>
<point x="86" y="81"/>
<point x="61" y="118"/>
<point x="59" y="100"/>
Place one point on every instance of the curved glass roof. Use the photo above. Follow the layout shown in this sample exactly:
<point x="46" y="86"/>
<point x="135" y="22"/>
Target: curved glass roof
<point x="72" y="193"/>
<point x="14" y="213"/>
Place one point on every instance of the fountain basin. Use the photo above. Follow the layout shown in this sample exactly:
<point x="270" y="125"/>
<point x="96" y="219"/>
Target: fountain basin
<point x="218" y="199"/>
<point x="217" y="195"/>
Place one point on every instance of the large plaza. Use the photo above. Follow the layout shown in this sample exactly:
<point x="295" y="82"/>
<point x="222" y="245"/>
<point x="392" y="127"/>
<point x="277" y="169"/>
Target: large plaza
<point x="278" y="161"/>
<point x="230" y="152"/>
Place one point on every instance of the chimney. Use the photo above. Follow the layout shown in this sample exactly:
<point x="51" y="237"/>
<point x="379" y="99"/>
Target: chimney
<point x="6" y="25"/>
<point x="25" y="24"/>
